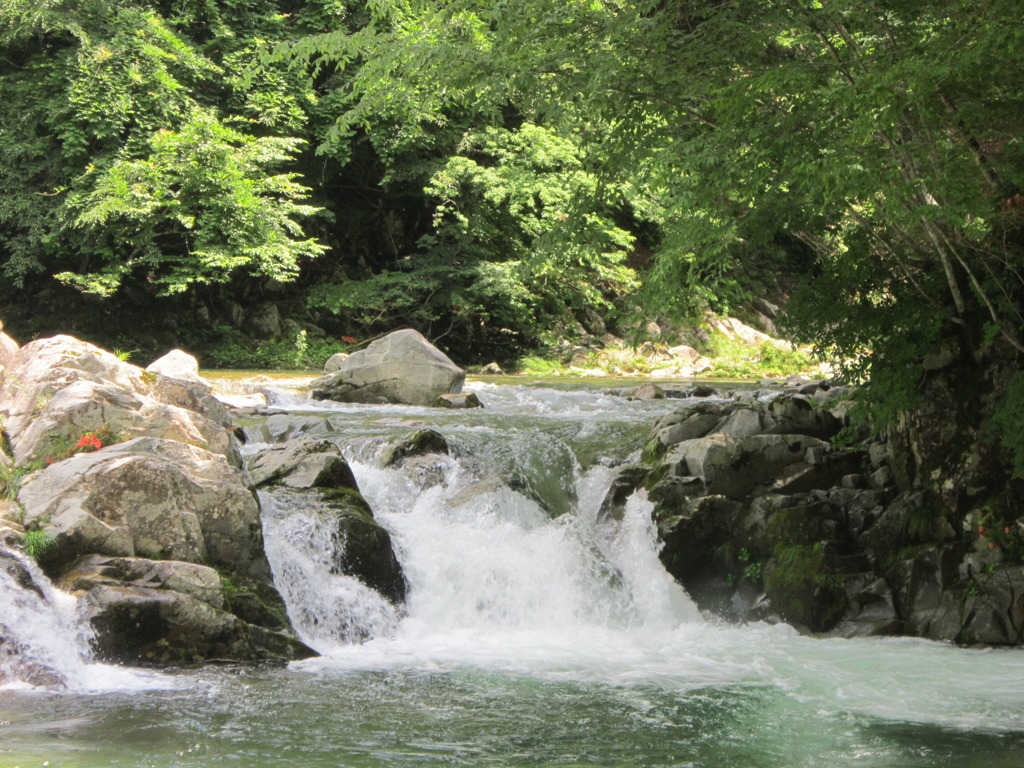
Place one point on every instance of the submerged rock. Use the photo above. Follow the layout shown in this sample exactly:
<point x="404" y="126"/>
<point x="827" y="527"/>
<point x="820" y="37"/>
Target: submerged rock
<point x="417" y="443"/>
<point x="460" y="400"/>
<point x="403" y="367"/>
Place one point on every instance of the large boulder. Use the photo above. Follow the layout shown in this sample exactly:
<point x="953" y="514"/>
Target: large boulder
<point x="177" y="364"/>
<point x="168" y="612"/>
<point x="403" y="367"/>
<point x="56" y="390"/>
<point x="302" y="463"/>
<point x="150" y="497"/>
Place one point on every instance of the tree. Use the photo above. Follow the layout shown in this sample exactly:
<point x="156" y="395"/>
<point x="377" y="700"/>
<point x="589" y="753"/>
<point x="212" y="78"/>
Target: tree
<point x="879" y="137"/>
<point x="117" y="165"/>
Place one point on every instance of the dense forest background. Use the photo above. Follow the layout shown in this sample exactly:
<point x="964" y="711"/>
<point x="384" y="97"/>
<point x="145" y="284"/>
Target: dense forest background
<point x="200" y="173"/>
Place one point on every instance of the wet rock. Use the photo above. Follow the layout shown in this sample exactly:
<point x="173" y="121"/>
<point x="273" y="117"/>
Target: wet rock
<point x="143" y="625"/>
<point x="302" y="463"/>
<point x="362" y="548"/>
<point x="872" y="609"/>
<point x="460" y="400"/>
<point x="417" y="443"/>
<point x="799" y="580"/>
<point x="282" y="427"/>
<point x="693" y="533"/>
<point x="402" y="367"/>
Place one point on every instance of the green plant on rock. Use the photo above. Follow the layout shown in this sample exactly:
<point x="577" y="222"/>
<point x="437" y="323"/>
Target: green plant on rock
<point x="37" y="544"/>
<point x="753" y="570"/>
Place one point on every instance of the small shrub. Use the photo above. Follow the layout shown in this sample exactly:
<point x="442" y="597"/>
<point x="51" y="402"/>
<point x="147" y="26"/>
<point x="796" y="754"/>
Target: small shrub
<point x="539" y="366"/>
<point x="37" y="543"/>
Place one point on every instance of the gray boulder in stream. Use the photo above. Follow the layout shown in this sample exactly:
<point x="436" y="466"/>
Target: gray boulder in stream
<point x="309" y="477"/>
<point x="354" y="543"/>
<point x="148" y="497"/>
<point x="403" y="367"/>
<point x="304" y="463"/>
<point x="169" y="612"/>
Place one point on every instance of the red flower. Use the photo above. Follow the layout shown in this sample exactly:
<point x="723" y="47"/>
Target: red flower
<point x="981" y="527"/>
<point x="89" y="442"/>
<point x="348" y="339"/>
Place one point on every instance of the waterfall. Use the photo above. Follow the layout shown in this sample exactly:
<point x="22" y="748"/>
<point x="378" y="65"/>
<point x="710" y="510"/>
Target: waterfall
<point x="41" y="640"/>
<point x="325" y="607"/>
<point x="500" y="540"/>
<point x="45" y="644"/>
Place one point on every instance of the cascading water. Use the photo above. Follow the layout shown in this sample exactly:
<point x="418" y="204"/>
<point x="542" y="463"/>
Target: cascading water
<point x="325" y="607"/>
<point x="41" y="642"/>
<point x="536" y="632"/>
<point x="44" y="642"/>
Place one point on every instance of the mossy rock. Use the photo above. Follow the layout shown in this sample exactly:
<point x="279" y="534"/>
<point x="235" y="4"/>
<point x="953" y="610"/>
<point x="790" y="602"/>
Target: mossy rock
<point x="802" y="525"/>
<point x="803" y="588"/>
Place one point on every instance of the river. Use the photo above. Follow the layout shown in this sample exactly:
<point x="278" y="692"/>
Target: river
<point x="536" y="634"/>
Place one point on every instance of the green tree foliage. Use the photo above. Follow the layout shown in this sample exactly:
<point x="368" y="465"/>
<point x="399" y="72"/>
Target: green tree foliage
<point x="499" y="258"/>
<point x="118" y="163"/>
<point x="881" y="138"/>
<point x="483" y="167"/>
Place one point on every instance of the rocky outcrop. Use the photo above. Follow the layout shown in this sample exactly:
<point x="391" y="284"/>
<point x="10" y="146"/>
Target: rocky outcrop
<point x="169" y="612"/>
<point x="402" y="367"/>
<point x="135" y="477"/>
<point x="762" y="516"/>
<point x="149" y="497"/>
<point x="56" y="390"/>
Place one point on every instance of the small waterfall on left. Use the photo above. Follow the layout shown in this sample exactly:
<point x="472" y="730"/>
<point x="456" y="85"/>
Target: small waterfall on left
<point x="42" y="641"/>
